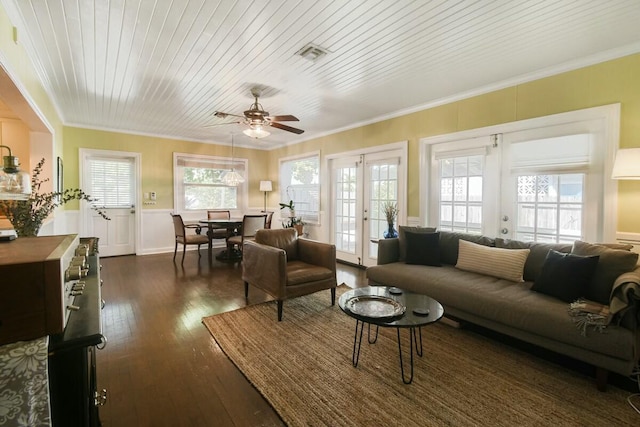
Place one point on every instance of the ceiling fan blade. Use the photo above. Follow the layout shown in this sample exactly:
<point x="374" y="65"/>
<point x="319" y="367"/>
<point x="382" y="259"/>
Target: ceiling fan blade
<point x="223" y="115"/>
<point x="220" y="124"/>
<point x="286" y="118"/>
<point x="287" y="128"/>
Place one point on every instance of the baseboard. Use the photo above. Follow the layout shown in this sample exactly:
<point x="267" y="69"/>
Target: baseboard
<point x="450" y="322"/>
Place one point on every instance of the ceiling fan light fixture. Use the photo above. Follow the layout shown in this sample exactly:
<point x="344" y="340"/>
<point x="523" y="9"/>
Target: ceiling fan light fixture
<point x="256" y="132"/>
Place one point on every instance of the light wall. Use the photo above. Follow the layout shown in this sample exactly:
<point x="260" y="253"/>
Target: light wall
<point x="157" y="160"/>
<point x="615" y="81"/>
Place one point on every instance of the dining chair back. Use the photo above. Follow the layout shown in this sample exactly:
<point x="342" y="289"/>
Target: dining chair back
<point x="219" y="214"/>
<point x="219" y="233"/>
<point x="184" y="238"/>
<point x="250" y="226"/>
<point x="267" y="223"/>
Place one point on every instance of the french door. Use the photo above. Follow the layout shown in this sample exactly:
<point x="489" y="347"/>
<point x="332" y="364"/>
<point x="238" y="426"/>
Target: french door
<point x="360" y="186"/>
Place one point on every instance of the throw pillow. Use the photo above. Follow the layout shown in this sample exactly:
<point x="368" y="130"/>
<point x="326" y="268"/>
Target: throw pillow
<point x="565" y="276"/>
<point x="449" y="244"/>
<point x="537" y="256"/>
<point x="613" y="262"/>
<point x="502" y="263"/>
<point x="423" y="248"/>
<point x="402" y="240"/>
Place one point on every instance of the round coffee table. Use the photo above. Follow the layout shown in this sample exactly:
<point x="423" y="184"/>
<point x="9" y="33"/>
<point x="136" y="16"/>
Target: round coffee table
<point x="390" y="307"/>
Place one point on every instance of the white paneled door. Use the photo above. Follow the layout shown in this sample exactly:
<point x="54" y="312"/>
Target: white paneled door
<point x="360" y="186"/>
<point x="110" y="179"/>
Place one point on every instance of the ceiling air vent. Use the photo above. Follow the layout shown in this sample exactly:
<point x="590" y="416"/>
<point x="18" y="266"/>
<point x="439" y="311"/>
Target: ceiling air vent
<point x="312" y="52"/>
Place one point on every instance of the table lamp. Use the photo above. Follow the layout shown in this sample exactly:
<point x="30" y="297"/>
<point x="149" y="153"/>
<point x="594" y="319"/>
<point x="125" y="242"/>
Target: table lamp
<point x="266" y="187"/>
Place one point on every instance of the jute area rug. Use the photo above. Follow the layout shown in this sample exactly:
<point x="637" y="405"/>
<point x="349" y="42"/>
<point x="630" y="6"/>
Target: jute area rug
<point x="302" y="366"/>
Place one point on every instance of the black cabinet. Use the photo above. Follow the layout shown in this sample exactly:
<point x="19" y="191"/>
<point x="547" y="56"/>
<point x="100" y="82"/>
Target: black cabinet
<point x="75" y="399"/>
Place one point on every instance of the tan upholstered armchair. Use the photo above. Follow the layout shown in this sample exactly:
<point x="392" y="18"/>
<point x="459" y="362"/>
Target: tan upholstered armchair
<point x="285" y="266"/>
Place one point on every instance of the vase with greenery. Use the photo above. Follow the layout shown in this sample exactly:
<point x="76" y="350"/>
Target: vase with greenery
<point x="390" y="211"/>
<point x="27" y="216"/>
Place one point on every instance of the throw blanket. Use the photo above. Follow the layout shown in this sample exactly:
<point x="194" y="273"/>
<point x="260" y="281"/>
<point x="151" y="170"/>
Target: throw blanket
<point x="625" y="296"/>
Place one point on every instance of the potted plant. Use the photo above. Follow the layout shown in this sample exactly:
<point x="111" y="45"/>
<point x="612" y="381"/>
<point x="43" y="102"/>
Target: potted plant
<point x="27" y="216"/>
<point x="390" y="210"/>
<point x="292" y="221"/>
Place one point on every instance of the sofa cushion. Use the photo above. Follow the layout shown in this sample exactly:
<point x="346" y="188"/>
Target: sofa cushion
<point x="537" y="256"/>
<point x="565" y="276"/>
<point x="612" y="263"/>
<point x="503" y="263"/>
<point x="423" y="248"/>
<point x="402" y="240"/>
<point x="285" y="238"/>
<point x="449" y="244"/>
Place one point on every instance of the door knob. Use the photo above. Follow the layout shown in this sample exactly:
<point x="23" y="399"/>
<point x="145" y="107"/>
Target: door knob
<point x="504" y="231"/>
<point x="505" y="218"/>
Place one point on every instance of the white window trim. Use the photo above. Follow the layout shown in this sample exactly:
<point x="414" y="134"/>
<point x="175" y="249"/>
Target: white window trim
<point x="178" y="192"/>
<point x="307" y="155"/>
<point x="609" y="115"/>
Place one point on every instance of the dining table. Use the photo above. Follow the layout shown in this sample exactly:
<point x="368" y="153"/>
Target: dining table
<point x="231" y="225"/>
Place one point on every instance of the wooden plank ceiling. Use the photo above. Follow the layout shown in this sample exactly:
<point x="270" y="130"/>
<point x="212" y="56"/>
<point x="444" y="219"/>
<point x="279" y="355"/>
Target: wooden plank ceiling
<point x="163" y="67"/>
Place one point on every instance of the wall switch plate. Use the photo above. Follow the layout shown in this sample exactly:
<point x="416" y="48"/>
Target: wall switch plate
<point x="153" y="195"/>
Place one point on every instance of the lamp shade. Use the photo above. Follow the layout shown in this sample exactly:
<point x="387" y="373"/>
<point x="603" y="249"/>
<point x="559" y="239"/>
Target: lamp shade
<point x="232" y="178"/>
<point x="266" y="186"/>
<point x="627" y="164"/>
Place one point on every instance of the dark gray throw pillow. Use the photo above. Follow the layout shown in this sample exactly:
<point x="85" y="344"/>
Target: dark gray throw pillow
<point x="423" y="248"/>
<point x="402" y="241"/>
<point x="613" y="263"/>
<point x="565" y="276"/>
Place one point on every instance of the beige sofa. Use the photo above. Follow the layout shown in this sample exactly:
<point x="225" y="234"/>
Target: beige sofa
<point x="511" y="307"/>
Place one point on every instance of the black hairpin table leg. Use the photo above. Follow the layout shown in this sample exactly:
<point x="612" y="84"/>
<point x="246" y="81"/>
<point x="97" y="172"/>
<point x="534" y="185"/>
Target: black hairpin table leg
<point x="413" y="339"/>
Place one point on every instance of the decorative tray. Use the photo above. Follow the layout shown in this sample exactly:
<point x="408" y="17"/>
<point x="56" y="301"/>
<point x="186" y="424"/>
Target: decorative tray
<point x="375" y="307"/>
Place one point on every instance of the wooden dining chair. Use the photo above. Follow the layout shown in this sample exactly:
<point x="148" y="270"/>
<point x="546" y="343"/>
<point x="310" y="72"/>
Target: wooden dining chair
<point x="267" y="223"/>
<point x="186" y="239"/>
<point x="250" y="225"/>
<point x="220" y="233"/>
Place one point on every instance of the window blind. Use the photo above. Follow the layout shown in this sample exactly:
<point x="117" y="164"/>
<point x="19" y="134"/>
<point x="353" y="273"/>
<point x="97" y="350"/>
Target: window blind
<point x="111" y="182"/>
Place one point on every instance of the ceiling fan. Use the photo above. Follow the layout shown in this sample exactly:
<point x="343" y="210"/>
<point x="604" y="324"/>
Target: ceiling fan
<point x="257" y="119"/>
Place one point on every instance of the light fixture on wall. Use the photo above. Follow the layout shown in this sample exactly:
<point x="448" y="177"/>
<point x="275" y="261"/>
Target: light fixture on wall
<point x="627" y="164"/>
<point x="15" y="184"/>
<point x="266" y="186"/>
<point x="232" y="178"/>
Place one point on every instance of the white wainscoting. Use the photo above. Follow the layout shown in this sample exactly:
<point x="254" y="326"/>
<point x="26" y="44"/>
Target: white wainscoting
<point x="156" y="233"/>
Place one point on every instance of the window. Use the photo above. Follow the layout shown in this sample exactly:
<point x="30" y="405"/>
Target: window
<point x="549" y="208"/>
<point x="111" y="182"/>
<point x="461" y="194"/>
<point x="542" y="179"/>
<point x="549" y="177"/>
<point x="300" y="182"/>
<point x="198" y="183"/>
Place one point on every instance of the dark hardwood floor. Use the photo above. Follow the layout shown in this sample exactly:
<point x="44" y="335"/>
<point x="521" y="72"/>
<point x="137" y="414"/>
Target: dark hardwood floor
<point x="161" y="367"/>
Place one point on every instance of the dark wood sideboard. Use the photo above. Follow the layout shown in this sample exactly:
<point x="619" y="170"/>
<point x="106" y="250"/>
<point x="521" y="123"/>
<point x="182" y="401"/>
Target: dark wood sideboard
<point x="37" y="298"/>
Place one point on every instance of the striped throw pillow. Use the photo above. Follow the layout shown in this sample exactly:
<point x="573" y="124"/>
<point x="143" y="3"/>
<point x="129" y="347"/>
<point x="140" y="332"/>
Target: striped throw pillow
<point x="497" y="262"/>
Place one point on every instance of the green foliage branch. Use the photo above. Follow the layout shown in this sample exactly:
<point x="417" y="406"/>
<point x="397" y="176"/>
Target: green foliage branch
<point x="27" y="216"/>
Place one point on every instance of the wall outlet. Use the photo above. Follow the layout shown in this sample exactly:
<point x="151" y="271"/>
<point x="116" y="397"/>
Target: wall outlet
<point x="153" y="195"/>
